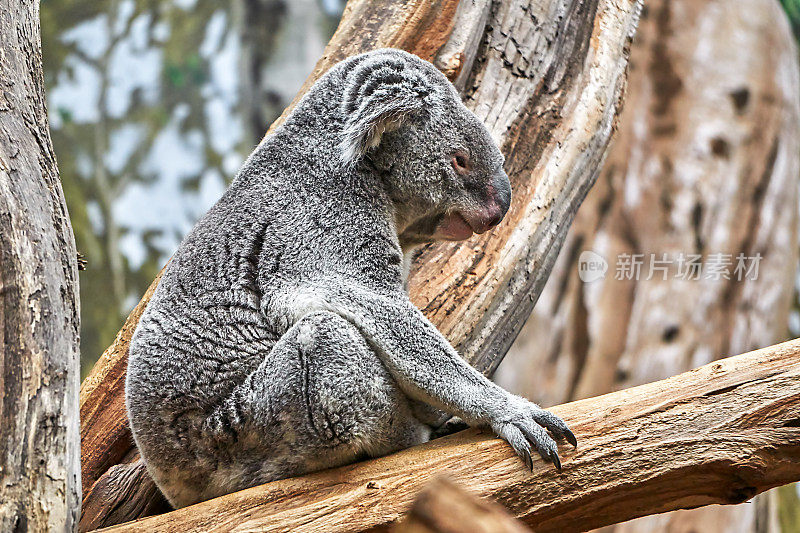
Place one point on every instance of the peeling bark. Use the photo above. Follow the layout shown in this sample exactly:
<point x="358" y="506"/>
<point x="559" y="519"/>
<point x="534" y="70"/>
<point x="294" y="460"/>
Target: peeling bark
<point x="39" y="320"/>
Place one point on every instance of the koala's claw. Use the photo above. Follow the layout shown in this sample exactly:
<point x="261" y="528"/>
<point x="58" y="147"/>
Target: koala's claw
<point x="529" y="429"/>
<point x="571" y="438"/>
<point x="554" y="424"/>
<point x="514" y="436"/>
<point x="556" y="461"/>
<point x="526" y="456"/>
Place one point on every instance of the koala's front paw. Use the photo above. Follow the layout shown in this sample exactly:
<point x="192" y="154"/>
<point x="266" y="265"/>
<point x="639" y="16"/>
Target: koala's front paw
<point x="525" y="425"/>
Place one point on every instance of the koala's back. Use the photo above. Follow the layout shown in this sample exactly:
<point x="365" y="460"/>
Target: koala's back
<point x="201" y="334"/>
<point x="205" y="327"/>
<point x="213" y="320"/>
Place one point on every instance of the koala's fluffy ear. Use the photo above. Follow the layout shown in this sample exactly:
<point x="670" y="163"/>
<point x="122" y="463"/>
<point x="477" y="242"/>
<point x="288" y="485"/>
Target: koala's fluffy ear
<point x="381" y="94"/>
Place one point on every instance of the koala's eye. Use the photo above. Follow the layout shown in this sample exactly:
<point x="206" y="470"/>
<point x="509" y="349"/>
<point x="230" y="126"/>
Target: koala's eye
<point x="460" y="162"/>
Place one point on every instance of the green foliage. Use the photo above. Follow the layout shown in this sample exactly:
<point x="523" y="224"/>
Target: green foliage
<point x="792" y="8"/>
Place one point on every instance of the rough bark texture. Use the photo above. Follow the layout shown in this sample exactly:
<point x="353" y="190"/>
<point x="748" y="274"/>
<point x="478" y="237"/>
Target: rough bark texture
<point x="39" y="321"/>
<point x="444" y="507"/>
<point x="125" y="491"/>
<point x="547" y="79"/>
<point x="706" y="161"/>
<point x="719" y="434"/>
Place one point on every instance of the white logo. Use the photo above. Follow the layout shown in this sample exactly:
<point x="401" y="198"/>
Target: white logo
<point x="591" y="266"/>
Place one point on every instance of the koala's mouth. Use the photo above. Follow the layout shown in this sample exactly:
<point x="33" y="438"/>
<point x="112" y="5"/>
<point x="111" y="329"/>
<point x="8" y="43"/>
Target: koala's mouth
<point x="456" y="226"/>
<point x="453" y="227"/>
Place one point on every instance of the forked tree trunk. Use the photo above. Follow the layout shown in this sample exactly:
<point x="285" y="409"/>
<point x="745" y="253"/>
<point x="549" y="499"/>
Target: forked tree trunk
<point x="706" y="161"/>
<point x="547" y="79"/>
<point x="39" y="368"/>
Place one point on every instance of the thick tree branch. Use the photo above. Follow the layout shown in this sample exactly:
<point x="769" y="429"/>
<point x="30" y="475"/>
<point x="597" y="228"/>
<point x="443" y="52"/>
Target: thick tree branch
<point x="719" y="434"/>
<point x="548" y="80"/>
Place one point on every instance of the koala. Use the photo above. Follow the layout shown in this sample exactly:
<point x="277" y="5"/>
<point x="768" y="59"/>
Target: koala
<point x="281" y="339"/>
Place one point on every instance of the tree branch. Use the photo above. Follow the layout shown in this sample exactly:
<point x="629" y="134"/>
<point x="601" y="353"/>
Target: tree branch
<point x="719" y="434"/>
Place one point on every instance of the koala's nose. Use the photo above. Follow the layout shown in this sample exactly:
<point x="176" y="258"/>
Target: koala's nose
<point x="501" y="187"/>
<point x="496" y="220"/>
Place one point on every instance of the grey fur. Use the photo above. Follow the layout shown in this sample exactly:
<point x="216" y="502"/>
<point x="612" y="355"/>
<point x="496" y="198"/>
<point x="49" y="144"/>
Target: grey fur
<point x="281" y="339"/>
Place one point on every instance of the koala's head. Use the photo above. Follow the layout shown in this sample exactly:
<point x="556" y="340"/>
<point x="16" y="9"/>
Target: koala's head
<point x="405" y="120"/>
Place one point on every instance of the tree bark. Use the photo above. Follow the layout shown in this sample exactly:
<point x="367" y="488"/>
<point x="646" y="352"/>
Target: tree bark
<point x="39" y="320"/>
<point x="547" y="79"/>
<point x="706" y="161"/>
<point x="719" y="434"/>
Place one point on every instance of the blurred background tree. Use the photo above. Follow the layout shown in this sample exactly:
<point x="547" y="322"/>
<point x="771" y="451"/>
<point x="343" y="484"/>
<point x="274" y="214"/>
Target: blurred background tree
<point x="153" y="105"/>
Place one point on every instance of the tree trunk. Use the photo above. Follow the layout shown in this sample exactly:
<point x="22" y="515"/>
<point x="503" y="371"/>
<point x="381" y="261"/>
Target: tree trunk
<point x="547" y="79"/>
<point x="719" y="434"/>
<point x="39" y="320"/>
<point x="706" y="161"/>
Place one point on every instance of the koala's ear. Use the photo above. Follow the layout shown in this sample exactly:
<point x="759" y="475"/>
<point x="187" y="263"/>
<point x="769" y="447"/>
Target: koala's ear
<point x="381" y="94"/>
